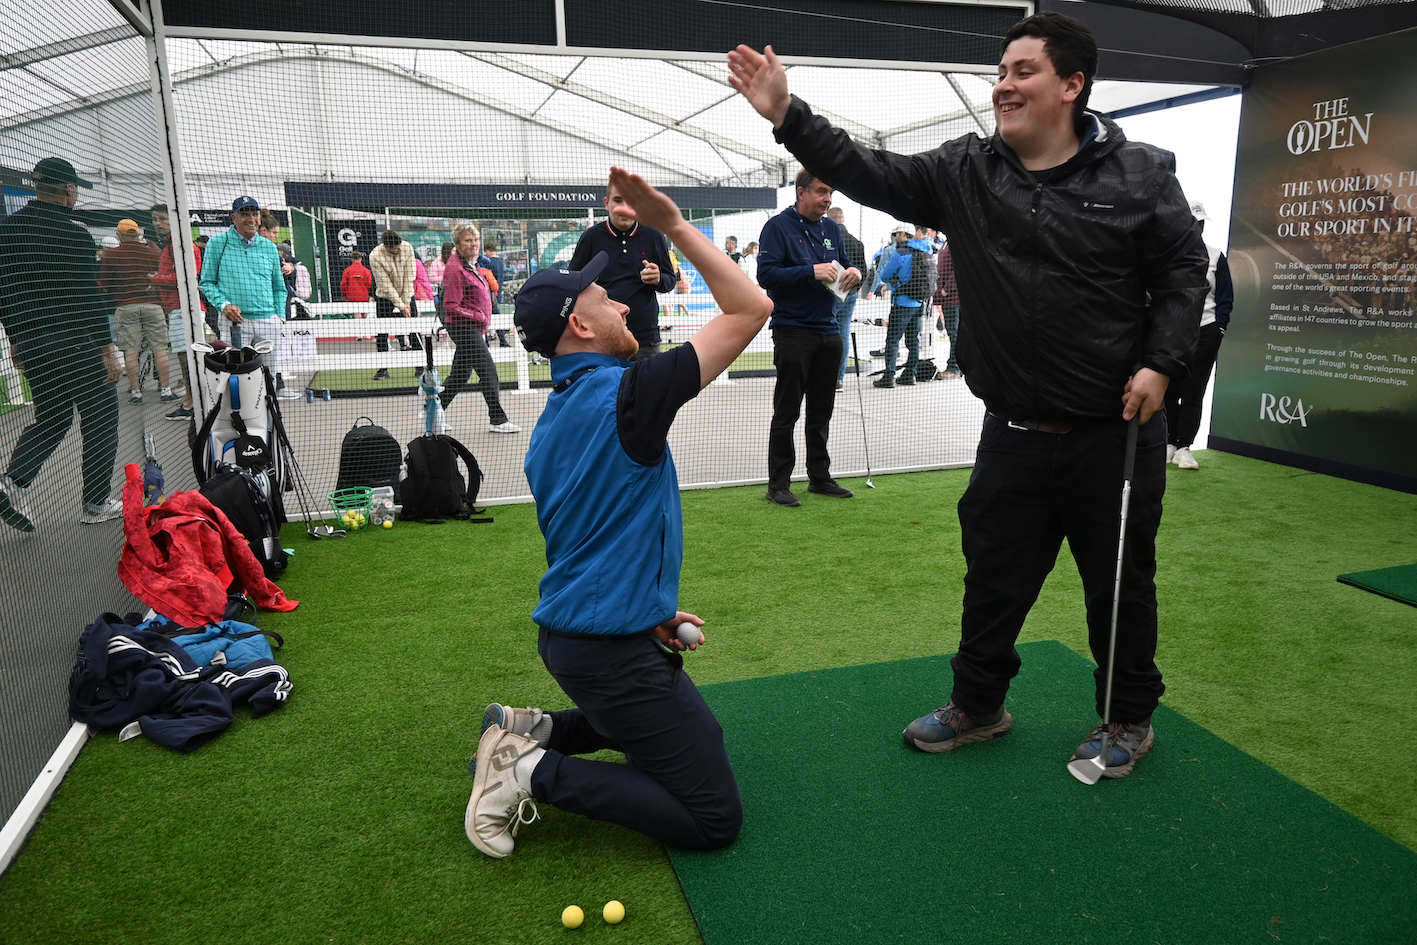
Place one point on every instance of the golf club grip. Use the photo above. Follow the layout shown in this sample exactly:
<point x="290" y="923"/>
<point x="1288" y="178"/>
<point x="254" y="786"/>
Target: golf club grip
<point x="428" y="347"/>
<point x="1129" y="465"/>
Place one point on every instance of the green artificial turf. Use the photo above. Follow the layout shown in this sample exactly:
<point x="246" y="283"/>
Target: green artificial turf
<point x="846" y="828"/>
<point x="1399" y="583"/>
<point x="339" y="817"/>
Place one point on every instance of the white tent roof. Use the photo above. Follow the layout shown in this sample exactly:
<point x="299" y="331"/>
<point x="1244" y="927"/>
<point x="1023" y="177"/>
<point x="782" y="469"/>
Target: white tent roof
<point x="251" y="116"/>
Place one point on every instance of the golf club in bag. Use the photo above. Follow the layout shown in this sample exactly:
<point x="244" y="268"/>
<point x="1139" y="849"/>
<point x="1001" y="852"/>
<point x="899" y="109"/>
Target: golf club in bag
<point x="1090" y="770"/>
<point x="434" y="419"/>
<point x="244" y="428"/>
<point x="861" y="408"/>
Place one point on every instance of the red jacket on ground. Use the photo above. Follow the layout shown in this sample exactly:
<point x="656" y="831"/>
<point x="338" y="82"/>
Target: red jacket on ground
<point x="354" y="285"/>
<point x="180" y="557"/>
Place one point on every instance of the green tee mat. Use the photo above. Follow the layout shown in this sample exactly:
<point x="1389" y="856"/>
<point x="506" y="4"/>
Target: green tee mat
<point x="850" y="836"/>
<point x="1398" y="583"/>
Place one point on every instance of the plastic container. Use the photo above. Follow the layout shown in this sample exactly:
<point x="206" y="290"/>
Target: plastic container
<point x="352" y="507"/>
<point x="381" y="506"/>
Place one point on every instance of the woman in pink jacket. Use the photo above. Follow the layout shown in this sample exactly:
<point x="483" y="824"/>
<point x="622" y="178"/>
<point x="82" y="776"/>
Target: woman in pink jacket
<point x="467" y="313"/>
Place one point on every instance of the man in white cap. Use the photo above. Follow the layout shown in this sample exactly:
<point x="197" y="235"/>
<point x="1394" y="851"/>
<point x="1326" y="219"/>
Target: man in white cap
<point x="607" y="500"/>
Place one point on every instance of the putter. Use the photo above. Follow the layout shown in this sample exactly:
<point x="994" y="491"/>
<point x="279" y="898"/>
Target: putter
<point x="1090" y="770"/>
<point x="861" y="408"/>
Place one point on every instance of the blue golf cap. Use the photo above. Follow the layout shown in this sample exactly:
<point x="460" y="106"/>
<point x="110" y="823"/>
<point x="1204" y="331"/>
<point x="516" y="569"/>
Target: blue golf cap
<point x="244" y="203"/>
<point x="56" y="170"/>
<point x="545" y="301"/>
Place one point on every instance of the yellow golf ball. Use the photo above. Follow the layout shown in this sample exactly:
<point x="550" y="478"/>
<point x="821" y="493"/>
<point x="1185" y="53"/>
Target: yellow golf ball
<point x="614" y="911"/>
<point x="388" y="524"/>
<point x="572" y="917"/>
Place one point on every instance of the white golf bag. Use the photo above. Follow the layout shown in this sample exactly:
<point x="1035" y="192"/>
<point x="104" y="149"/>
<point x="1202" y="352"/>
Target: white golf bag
<point x="240" y="428"/>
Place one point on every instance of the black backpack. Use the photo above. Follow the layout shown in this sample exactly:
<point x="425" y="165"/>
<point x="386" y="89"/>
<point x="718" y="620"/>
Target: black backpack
<point x="917" y="286"/>
<point x="369" y="456"/>
<point x="925" y="370"/>
<point x="434" y="488"/>
<point x="241" y="496"/>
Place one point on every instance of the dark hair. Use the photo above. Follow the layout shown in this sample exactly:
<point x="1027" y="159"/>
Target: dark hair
<point x="489" y="246"/>
<point x="356" y="255"/>
<point x="447" y="251"/>
<point x="805" y="179"/>
<point x="390" y="238"/>
<point x="269" y="221"/>
<point x="1069" y="44"/>
<point x="158" y="208"/>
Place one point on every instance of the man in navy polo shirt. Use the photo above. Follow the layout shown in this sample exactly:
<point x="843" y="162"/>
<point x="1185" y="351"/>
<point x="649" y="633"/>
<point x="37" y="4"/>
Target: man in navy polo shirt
<point x="799" y="256"/>
<point x="639" y="266"/>
<point x="607" y="500"/>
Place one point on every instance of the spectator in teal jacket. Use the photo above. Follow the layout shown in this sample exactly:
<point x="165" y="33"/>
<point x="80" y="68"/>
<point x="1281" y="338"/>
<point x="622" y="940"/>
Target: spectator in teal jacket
<point x="242" y="278"/>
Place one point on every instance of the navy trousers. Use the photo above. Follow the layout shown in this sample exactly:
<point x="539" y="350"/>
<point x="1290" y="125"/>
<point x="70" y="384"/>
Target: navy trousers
<point x="633" y="696"/>
<point x="1028" y="491"/>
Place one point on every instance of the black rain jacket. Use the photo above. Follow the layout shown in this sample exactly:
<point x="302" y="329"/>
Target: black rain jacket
<point x="1064" y="286"/>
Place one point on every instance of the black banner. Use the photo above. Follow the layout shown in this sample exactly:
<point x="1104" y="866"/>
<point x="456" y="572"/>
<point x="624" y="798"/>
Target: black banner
<point x="223" y="217"/>
<point x="343" y="237"/>
<point x="376" y="197"/>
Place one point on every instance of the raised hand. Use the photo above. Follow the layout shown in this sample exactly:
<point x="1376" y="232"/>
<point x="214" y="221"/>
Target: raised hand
<point x="761" y="79"/>
<point x="651" y="206"/>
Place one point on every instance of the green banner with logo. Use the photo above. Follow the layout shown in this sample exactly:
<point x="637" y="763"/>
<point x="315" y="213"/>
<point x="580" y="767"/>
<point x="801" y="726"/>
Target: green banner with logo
<point x="1321" y="356"/>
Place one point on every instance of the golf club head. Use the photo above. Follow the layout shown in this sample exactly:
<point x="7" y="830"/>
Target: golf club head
<point x="326" y="531"/>
<point x="1087" y="770"/>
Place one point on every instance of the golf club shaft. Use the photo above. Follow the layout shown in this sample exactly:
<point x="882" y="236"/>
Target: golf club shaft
<point x="861" y="407"/>
<point x="1128" y="469"/>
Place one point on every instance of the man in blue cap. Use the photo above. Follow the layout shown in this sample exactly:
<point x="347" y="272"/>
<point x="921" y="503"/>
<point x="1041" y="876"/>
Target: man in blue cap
<point x="242" y="278"/>
<point x="607" y="500"/>
<point x="57" y="320"/>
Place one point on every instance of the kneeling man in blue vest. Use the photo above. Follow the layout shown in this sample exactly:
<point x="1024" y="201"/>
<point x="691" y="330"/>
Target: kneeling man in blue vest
<point x="607" y="500"/>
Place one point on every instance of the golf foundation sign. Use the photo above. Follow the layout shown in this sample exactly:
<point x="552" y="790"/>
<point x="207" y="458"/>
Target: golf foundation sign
<point x="1319" y="366"/>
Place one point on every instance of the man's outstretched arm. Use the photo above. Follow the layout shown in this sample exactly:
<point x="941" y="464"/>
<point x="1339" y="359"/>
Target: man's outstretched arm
<point x="745" y="307"/>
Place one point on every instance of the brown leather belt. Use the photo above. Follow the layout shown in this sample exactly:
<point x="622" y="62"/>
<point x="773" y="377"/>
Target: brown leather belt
<point x="1056" y="427"/>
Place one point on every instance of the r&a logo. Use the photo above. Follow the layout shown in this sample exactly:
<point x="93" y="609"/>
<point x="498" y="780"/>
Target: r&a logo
<point x="1278" y="410"/>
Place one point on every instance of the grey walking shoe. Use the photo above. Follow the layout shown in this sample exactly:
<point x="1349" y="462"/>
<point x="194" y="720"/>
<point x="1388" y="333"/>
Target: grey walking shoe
<point x="948" y="727"/>
<point x="1126" y="742"/>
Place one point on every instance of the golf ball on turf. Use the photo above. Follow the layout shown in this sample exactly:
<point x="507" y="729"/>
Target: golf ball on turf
<point x="689" y="634"/>
<point x="614" y="911"/>
<point x="572" y="917"/>
<point x="388" y="524"/>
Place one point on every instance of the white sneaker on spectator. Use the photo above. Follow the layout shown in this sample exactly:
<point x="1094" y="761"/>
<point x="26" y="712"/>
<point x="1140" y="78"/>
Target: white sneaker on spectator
<point x="1170" y="454"/>
<point x="505" y="426"/>
<point x="1184" y="459"/>
<point x="94" y="513"/>
<point x="14" y="511"/>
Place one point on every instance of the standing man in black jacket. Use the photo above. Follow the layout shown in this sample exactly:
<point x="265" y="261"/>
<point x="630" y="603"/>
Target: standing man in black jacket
<point x="1081" y="276"/>
<point x="57" y="320"/>
<point x="639" y="267"/>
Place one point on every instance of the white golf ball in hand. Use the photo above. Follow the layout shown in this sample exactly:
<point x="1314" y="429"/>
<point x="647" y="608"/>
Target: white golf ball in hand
<point x="689" y="634"/>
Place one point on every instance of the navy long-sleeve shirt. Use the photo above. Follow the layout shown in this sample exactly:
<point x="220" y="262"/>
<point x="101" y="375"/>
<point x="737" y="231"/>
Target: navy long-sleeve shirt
<point x="788" y="251"/>
<point x="621" y="278"/>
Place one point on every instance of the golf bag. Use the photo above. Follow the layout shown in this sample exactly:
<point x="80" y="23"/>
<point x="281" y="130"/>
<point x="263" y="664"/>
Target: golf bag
<point x="434" y="487"/>
<point x="240" y="431"/>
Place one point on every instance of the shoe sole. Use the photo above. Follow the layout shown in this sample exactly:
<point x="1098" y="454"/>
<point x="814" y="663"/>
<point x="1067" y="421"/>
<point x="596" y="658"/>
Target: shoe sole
<point x="14" y="517"/>
<point x="1121" y="771"/>
<point x="998" y="730"/>
<point x="479" y="787"/>
<point x="494" y="714"/>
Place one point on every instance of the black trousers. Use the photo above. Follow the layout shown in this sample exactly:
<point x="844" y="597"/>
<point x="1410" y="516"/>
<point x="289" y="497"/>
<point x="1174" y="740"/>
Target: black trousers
<point x="632" y="695"/>
<point x="806" y="363"/>
<point x="383" y="308"/>
<point x="73" y="378"/>
<point x="471" y="355"/>
<point x="1185" y="397"/>
<point x="1027" y="493"/>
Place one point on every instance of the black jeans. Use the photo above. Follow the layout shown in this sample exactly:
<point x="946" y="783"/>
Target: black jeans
<point x="472" y="355"/>
<point x="383" y="308"/>
<point x="632" y="695"/>
<point x="1185" y="396"/>
<point x="61" y="382"/>
<point x="806" y="362"/>
<point x="1028" y="492"/>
